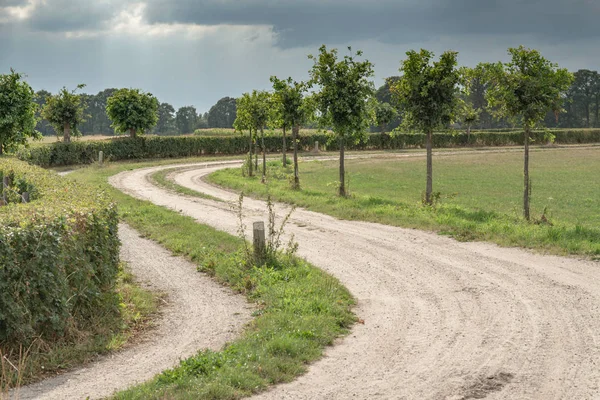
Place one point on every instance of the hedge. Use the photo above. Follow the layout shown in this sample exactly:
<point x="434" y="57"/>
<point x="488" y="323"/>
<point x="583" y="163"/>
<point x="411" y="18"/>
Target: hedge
<point x="58" y="256"/>
<point x="61" y="154"/>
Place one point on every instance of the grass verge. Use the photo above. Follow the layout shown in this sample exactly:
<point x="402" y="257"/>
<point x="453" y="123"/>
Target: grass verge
<point x="480" y="196"/>
<point x="160" y="179"/>
<point x="109" y="332"/>
<point x="302" y="309"/>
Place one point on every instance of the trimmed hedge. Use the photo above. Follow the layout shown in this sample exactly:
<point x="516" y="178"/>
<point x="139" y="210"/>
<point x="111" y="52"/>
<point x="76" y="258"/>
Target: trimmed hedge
<point x="61" y="154"/>
<point x="59" y="256"/>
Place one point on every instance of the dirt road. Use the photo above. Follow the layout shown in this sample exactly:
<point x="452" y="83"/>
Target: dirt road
<point x="199" y="314"/>
<point x="443" y="319"/>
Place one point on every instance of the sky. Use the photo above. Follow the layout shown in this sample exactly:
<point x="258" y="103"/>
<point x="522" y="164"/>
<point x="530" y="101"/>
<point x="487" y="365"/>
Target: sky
<point x="193" y="52"/>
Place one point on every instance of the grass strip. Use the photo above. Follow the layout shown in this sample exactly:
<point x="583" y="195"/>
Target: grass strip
<point x="480" y="198"/>
<point x="160" y="179"/>
<point x="301" y="309"/>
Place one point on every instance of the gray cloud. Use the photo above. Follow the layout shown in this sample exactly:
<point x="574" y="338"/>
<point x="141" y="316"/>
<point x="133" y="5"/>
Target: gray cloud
<point x="71" y="15"/>
<point x="300" y="23"/>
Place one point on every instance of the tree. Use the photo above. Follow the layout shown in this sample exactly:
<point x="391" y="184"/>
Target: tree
<point x="132" y="110"/>
<point x="342" y="98"/>
<point x="527" y="87"/>
<point x="222" y="114"/>
<point x="586" y="92"/>
<point x="17" y="111"/>
<point x="42" y="126"/>
<point x="253" y="112"/>
<point x="166" y="119"/>
<point x="384" y="95"/>
<point x="64" y="111"/>
<point x="469" y="115"/>
<point x="382" y="114"/>
<point x="289" y="96"/>
<point x="186" y="119"/>
<point x="427" y="96"/>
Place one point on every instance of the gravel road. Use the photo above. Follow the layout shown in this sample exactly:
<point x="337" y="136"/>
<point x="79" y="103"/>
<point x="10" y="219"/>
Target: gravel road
<point x="442" y="319"/>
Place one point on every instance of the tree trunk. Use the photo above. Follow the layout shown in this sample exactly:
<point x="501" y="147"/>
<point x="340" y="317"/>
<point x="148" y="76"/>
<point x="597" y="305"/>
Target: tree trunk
<point x="429" y="187"/>
<point x="383" y="137"/>
<point x="587" y="114"/>
<point x="295" y="130"/>
<point x="250" y="155"/>
<point x="597" y="122"/>
<point x="468" y="133"/>
<point x="132" y="132"/>
<point x="342" y="191"/>
<point x="526" y="176"/>
<point x="1" y="149"/>
<point x="67" y="132"/>
<point x="256" y="153"/>
<point x="264" y="167"/>
<point x="284" y="149"/>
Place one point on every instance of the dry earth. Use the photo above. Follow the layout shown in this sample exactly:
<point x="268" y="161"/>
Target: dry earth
<point x="199" y="313"/>
<point x="442" y="319"/>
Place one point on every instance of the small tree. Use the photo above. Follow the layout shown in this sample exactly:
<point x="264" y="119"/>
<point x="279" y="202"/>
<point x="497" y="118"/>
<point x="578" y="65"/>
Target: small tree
<point x="253" y="112"/>
<point x="381" y="115"/>
<point x="65" y="111"/>
<point x="469" y="116"/>
<point x="342" y="99"/>
<point x="427" y="96"/>
<point x="289" y="95"/>
<point x="132" y="110"/>
<point x="17" y="111"/>
<point x="527" y="88"/>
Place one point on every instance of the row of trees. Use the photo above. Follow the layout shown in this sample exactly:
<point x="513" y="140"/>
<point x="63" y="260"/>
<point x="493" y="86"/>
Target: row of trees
<point x="170" y="121"/>
<point x="340" y="96"/>
<point x="427" y="96"/>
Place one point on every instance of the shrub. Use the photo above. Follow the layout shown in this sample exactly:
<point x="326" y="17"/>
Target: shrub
<point x="61" y="154"/>
<point x="58" y="256"/>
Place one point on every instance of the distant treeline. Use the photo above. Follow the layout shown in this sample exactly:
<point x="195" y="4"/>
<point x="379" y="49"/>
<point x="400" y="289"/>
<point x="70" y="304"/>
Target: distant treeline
<point x="581" y="110"/>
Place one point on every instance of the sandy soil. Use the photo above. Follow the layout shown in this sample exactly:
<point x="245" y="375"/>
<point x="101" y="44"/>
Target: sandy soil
<point x="442" y="319"/>
<point x="199" y="313"/>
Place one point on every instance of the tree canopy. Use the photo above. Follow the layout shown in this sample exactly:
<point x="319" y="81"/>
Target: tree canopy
<point x="132" y="110"/>
<point x="343" y="89"/>
<point x="65" y="112"/>
<point x="186" y="119"/>
<point x="166" y="119"/>
<point x="223" y="113"/>
<point x="17" y="111"/>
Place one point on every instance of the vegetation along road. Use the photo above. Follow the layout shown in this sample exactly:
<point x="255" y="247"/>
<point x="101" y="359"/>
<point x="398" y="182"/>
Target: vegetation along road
<point x="191" y="299"/>
<point x="441" y="319"/>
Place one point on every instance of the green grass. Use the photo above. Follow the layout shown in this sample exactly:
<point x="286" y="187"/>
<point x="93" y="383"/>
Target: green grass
<point x="108" y="332"/>
<point x="481" y="195"/>
<point x="301" y="309"/>
<point x="159" y="178"/>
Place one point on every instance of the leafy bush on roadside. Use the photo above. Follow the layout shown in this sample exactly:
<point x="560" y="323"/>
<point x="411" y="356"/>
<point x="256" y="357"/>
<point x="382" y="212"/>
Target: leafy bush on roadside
<point x="61" y="154"/>
<point x="58" y="257"/>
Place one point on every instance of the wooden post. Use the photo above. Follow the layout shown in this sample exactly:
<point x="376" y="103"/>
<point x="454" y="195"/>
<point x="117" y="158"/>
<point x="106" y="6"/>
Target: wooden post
<point x="316" y="150"/>
<point x="100" y="157"/>
<point x="258" y="235"/>
<point x="25" y="197"/>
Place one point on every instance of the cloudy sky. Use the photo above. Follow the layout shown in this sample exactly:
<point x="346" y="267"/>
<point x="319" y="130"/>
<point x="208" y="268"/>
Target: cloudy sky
<point x="193" y="52"/>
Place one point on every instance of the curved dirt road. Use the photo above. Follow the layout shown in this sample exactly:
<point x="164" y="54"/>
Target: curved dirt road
<point x="199" y="314"/>
<point x="443" y="319"/>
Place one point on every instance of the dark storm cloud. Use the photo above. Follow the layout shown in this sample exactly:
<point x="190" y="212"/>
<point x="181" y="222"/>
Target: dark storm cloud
<point x="71" y="15"/>
<point x="301" y="23"/>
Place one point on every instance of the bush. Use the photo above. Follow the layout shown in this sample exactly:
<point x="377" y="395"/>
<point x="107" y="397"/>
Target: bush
<point x="58" y="256"/>
<point x="61" y="154"/>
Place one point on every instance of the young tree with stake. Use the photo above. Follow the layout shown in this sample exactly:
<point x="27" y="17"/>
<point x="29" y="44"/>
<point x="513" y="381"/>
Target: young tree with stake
<point x="427" y="95"/>
<point x="342" y="99"/>
<point x="289" y="95"/>
<point x="65" y="111"/>
<point x="133" y="111"/>
<point x="527" y="87"/>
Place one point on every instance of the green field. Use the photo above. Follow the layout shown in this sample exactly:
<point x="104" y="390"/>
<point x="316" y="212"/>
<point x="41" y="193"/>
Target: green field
<point x="480" y="195"/>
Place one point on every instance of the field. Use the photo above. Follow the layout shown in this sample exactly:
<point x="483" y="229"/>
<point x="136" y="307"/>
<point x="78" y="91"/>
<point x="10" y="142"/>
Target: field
<point x="480" y="194"/>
